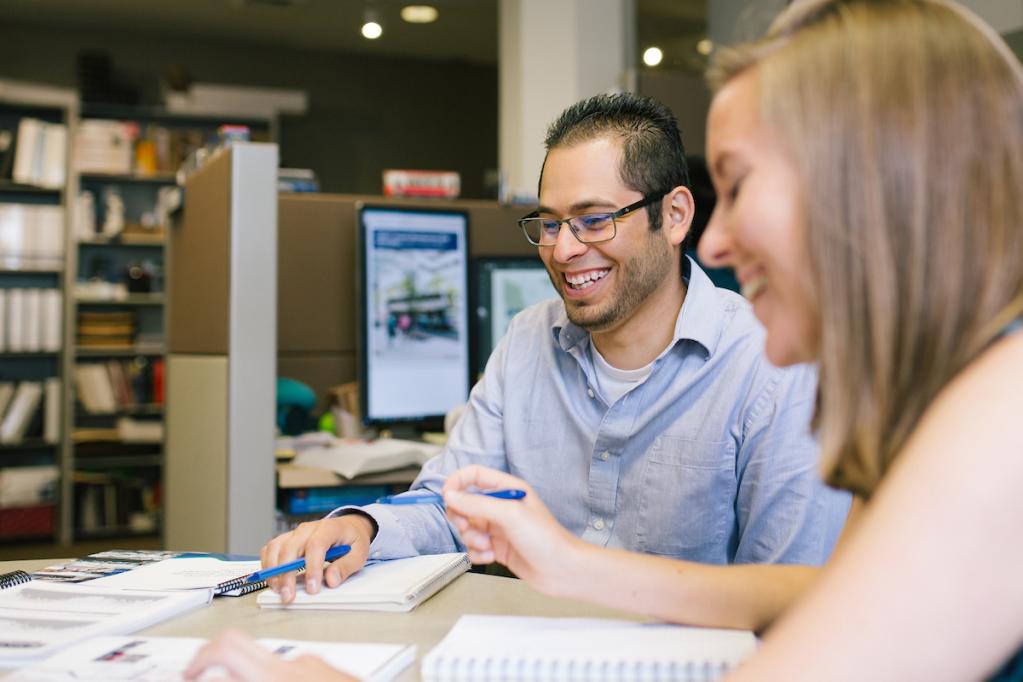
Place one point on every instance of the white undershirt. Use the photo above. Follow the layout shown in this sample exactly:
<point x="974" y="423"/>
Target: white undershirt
<point x="614" y="382"/>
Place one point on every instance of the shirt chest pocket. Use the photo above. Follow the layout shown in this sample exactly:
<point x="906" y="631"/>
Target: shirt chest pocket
<point x="688" y="500"/>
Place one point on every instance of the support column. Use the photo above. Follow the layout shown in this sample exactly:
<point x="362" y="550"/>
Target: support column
<point x="553" y="54"/>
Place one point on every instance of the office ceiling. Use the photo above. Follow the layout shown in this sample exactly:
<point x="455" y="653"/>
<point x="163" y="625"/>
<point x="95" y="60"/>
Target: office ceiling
<point x="465" y="29"/>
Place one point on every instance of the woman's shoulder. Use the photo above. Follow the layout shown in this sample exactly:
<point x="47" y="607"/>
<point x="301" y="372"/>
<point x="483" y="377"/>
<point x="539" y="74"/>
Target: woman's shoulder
<point x="995" y="374"/>
<point x="980" y="407"/>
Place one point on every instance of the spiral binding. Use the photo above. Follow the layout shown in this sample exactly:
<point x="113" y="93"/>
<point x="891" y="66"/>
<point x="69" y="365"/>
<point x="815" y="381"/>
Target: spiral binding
<point x="238" y="587"/>
<point x="13" y="578"/>
<point x="508" y="669"/>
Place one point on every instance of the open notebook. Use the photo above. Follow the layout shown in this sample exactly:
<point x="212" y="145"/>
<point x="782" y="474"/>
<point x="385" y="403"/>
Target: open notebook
<point x="513" y="648"/>
<point x="398" y="585"/>
<point x="159" y="659"/>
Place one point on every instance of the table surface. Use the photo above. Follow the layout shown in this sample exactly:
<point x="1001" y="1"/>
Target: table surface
<point x="425" y="626"/>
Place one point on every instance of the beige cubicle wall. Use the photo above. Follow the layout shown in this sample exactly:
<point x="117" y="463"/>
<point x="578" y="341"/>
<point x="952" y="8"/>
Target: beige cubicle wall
<point x="317" y="307"/>
<point x="220" y="408"/>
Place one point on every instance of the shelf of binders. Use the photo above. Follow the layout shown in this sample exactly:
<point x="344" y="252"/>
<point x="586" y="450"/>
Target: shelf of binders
<point x="35" y="190"/>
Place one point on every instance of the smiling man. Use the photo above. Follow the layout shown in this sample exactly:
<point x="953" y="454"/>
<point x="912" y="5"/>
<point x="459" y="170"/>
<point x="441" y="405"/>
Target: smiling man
<point x="640" y="407"/>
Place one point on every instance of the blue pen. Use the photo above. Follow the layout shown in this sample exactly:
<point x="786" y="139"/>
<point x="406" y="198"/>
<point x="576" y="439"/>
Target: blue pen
<point x="433" y="498"/>
<point x="259" y="576"/>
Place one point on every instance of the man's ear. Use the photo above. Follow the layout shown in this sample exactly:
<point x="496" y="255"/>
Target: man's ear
<point x="679" y="209"/>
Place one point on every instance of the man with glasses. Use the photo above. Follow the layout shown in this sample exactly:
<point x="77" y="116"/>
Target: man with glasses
<point x="640" y="407"/>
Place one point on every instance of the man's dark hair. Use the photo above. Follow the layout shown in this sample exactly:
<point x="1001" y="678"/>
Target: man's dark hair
<point x="653" y="158"/>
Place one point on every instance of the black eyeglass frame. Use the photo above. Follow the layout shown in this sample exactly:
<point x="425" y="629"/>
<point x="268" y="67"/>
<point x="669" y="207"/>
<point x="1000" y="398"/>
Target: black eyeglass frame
<point x="615" y="215"/>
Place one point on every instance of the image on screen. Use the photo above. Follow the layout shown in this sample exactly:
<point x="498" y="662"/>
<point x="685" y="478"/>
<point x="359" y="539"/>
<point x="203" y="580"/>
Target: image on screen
<point x="415" y="346"/>
<point x="505" y="287"/>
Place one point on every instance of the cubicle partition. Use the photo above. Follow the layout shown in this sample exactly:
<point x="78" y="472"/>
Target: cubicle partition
<point x="317" y="304"/>
<point x="220" y="393"/>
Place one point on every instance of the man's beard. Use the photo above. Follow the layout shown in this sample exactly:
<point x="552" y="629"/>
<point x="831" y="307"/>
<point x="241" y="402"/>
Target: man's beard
<point x="637" y="278"/>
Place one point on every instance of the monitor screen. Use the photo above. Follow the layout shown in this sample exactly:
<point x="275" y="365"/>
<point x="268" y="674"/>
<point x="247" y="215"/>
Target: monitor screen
<point x="414" y="348"/>
<point x="503" y="288"/>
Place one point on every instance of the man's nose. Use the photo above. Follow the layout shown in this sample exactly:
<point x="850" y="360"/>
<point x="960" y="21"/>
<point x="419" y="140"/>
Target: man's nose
<point x="567" y="247"/>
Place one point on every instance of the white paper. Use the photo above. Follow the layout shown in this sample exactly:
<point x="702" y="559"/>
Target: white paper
<point x="161" y="659"/>
<point x="351" y="459"/>
<point x="182" y="573"/>
<point x="37" y="618"/>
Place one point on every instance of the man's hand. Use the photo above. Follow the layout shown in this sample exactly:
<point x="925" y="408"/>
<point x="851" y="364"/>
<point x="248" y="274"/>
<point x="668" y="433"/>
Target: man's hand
<point x="312" y="540"/>
<point x="244" y="660"/>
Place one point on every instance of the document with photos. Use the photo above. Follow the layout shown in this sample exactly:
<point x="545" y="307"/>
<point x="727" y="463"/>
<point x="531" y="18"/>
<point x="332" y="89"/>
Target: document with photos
<point x="160" y="659"/>
<point x="38" y="618"/>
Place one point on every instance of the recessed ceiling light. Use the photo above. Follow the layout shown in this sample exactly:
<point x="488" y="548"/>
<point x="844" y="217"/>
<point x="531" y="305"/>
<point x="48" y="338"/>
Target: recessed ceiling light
<point x="652" y="56"/>
<point x="372" y="30"/>
<point x="705" y="46"/>
<point x="419" y="14"/>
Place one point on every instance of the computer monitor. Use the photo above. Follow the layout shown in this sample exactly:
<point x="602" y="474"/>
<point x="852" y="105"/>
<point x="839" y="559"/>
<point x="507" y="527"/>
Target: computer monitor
<point x="503" y="286"/>
<point x="414" y="343"/>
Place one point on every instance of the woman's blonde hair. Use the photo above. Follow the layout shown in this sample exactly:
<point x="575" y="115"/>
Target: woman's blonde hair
<point x="905" y="120"/>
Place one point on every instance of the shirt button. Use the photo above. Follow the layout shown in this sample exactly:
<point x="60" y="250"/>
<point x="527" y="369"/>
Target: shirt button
<point x="376" y="555"/>
<point x="599" y="524"/>
<point x="604" y="455"/>
<point x="589" y="392"/>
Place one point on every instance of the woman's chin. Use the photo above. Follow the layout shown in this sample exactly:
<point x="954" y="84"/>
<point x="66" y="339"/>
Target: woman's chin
<point x="783" y="352"/>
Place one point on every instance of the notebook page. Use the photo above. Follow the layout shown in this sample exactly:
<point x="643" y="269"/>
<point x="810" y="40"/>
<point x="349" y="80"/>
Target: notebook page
<point x="184" y="573"/>
<point x="507" y="643"/>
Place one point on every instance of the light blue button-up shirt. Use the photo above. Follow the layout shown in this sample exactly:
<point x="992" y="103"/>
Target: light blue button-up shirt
<point x="710" y="459"/>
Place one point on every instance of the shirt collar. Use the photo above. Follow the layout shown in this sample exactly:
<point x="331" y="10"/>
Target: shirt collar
<point x="699" y="320"/>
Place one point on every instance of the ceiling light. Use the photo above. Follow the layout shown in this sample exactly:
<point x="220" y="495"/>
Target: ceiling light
<point x="652" y="56"/>
<point x="371" y="27"/>
<point x="705" y="46"/>
<point x="419" y="14"/>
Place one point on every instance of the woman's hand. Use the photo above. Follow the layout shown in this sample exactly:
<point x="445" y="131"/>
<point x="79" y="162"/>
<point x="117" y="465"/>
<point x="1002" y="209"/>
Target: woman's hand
<point x="521" y="534"/>
<point x="238" y="655"/>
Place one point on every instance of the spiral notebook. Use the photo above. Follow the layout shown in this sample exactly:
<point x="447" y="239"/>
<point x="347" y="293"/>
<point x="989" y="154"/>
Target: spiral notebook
<point x="396" y="585"/>
<point x="514" y="648"/>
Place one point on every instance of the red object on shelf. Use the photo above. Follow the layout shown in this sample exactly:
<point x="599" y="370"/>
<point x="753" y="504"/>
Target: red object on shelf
<point x="158" y="381"/>
<point x="26" y="522"/>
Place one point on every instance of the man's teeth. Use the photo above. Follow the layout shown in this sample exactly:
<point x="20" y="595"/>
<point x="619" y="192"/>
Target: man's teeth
<point x="586" y="279"/>
<point x="752" y="288"/>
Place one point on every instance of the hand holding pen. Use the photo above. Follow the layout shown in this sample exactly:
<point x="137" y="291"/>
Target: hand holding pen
<point x="523" y="536"/>
<point x="310" y="542"/>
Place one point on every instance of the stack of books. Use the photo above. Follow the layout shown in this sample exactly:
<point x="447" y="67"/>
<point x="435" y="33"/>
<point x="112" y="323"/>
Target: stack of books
<point x="119" y="385"/>
<point x="30" y="320"/>
<point x="107" y="330"/>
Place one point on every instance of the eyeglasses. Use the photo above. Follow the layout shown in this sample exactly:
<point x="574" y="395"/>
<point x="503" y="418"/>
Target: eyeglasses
<point x="589" y="228"/>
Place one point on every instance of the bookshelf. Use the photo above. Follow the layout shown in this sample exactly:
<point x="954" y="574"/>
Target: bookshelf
<point x="36" y="130"/>
<point x="127" y="163"/>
